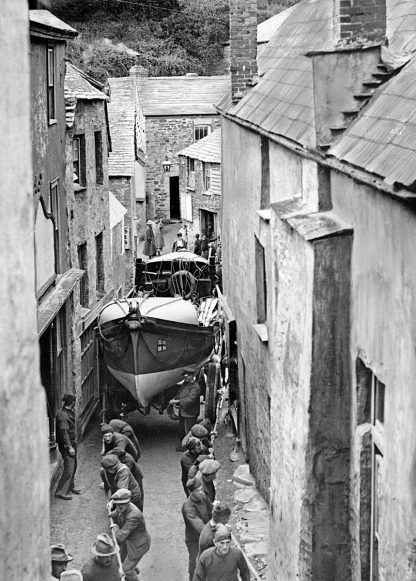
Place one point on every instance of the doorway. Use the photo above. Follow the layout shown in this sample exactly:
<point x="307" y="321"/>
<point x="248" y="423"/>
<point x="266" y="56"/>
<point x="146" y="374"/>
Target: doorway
<point x="208" y="224"/>
<point x="175" y="208"/>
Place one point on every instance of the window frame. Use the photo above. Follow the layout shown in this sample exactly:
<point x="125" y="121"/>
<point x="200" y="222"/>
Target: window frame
<point x="203" y="128"/>
<point x="98" y="148"/>
<point x="190" y="173"/>
<point x="81" y="173"/>
<point x="51" y="83"/>
<point x="206" y="176"/>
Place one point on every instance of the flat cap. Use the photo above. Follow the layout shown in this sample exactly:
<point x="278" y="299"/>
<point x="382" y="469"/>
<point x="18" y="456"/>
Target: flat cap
<point x="222" y="533"/>
<point x="220" y="509"/>
<point x="192" y="443"/>
<point x="209" y="466"/>
<point x="199" y="431"/>
<point x="109" y="461"/>
<point x="121" y="496"/>
<point x="106" y="428"/>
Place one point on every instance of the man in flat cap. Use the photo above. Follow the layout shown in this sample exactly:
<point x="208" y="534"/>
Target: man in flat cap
<point x="112" y="439"/>
<point x="196" y="512"/>
<point x="222" y="562"/>
<point x="60" y="559"/>
<point x="134" y="467"/>
<point x="189" y="405"/>
<point x="130" y="531"/>
<point x="194" y="449"/>
<point x="208" y="470"/>
<point x="116" y="475"/>
<point x="103" y="565"/>
<point x="67" y="444"/>
<point x="220" y="515"/>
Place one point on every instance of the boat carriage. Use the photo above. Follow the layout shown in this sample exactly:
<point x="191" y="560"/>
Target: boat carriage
<point x="168" y="326"/>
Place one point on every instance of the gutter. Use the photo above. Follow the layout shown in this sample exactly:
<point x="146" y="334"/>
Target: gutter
<point x="400" y="194"/>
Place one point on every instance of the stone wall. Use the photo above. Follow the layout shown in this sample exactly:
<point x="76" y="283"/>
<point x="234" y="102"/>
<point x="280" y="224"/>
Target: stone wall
<point x="165" y="137"/>
<point x="24" y="508"/>
<point x="202" y="199"/>
<point x="383" y="336"/>
<point x="88" y="207"/>
<point x="241" y="169"/>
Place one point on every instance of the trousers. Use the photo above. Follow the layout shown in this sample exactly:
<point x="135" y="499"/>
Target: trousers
<point x="66" y="483"/>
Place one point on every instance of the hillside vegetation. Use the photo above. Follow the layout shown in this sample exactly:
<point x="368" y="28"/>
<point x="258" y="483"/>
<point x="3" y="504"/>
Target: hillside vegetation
<point x="171" y="37"/>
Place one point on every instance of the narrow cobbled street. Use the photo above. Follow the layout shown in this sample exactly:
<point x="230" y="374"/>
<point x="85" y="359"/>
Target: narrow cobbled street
<point x="77" y="522"/>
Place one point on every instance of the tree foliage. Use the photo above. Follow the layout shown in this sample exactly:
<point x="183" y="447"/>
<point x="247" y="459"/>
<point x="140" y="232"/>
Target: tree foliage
<point x="171" y="37"/>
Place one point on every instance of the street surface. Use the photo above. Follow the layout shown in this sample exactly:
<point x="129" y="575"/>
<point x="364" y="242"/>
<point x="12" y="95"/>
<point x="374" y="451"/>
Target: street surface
<point x="76" y="522"/>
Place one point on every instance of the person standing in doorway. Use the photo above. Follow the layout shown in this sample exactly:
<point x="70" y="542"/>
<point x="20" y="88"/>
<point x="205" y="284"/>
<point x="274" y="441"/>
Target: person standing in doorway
<point x="67" y="444"/>
<point x="149" y="248"/>
<point x="204" y="246"/>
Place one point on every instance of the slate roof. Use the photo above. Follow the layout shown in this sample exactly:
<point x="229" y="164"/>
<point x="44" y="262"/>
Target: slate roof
<point x="282" y="102"/>
<point x="207" y="149"/>
<point x="78" y="87"/>
<point x="177" y="95"/>
<point x="267" y="28"/>
<point x="44" y="20"/>
<point x="383" y="139"/>
<point x="121" y="117"/>
<point x="401" y="25"/>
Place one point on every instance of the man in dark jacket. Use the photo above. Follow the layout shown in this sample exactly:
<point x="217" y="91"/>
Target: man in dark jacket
<point x="222" y="562"/>
<point x="134" y="467"/>
<point x="196" y="512"/>
<point x="67" y="444"/>
<point x="197" y="245"/>
<point x="122" y="427"/>
<point x="189" y="405"/>
<point x="130" y="531"/>
<point x="103" y="566"/>
<point x="116" y="475"/>
<point x="194" y="446"/>
<point x="220" y="515"/>
<point x="112" y="439"/>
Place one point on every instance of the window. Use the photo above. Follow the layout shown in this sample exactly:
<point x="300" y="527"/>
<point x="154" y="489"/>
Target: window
<point x="371" y="411"/>
<point x="98" y="140"/>
<point x="201" y="131"/>
<point x="99" y="261"/>
<point x="261" y="292"/>
<point x="83" y="265"/>
<point x="78" y="160"/>
<point x="265" y="174"/>
<point x="206" y="176"/>
<point x="190" y="173"/>
<point x="51" y="83"/>
<point x="55" y="210"/>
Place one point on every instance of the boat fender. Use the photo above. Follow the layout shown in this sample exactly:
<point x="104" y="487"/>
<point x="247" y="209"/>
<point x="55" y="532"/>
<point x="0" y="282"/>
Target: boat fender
<point x="175" y="284"/>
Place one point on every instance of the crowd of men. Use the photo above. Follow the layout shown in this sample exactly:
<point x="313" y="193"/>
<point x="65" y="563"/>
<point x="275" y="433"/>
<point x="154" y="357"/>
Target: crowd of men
<point x="207" y="538"/>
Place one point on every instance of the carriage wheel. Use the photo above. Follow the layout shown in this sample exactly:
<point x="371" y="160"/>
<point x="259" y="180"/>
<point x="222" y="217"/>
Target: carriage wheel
<point x="213" y="384"/>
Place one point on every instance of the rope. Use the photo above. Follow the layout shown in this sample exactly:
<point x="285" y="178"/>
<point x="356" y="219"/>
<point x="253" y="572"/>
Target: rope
<point x="113" y="534"/>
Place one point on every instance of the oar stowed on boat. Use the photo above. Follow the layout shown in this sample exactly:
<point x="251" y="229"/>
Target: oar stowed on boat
<point x="113" y="534"/>
<point x="207" y="311"/>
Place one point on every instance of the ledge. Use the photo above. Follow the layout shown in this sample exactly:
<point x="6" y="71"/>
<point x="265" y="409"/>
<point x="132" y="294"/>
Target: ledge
<point x="262" y="332"/>
<point x="265" y="214"/>
<point x="53" y="301"/>
<point x="79" y="189"/>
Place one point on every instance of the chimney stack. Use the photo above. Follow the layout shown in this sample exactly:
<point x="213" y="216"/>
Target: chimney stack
<point x="361" y="21"/>
<point x="243" y="46"/>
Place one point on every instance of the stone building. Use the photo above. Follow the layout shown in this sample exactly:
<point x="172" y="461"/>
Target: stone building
<point x="57" y="284"/>
<point x="171" y="113"/>
<point x="126" y="168"/>
<point x="318" y="184"/>
<point x="87" y="197"/>
<point x="200" y="185"/>
<point x="24" y="480"/>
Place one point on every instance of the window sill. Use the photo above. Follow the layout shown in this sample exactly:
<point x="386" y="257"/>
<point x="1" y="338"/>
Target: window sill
<point x="207" y="193"/>
<point x="78" y="189"/>
<point x="265" y="214"/>
<point x="190" y="188"/>
<point x="52" y="122"/>
<point x="262" y="332"/>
